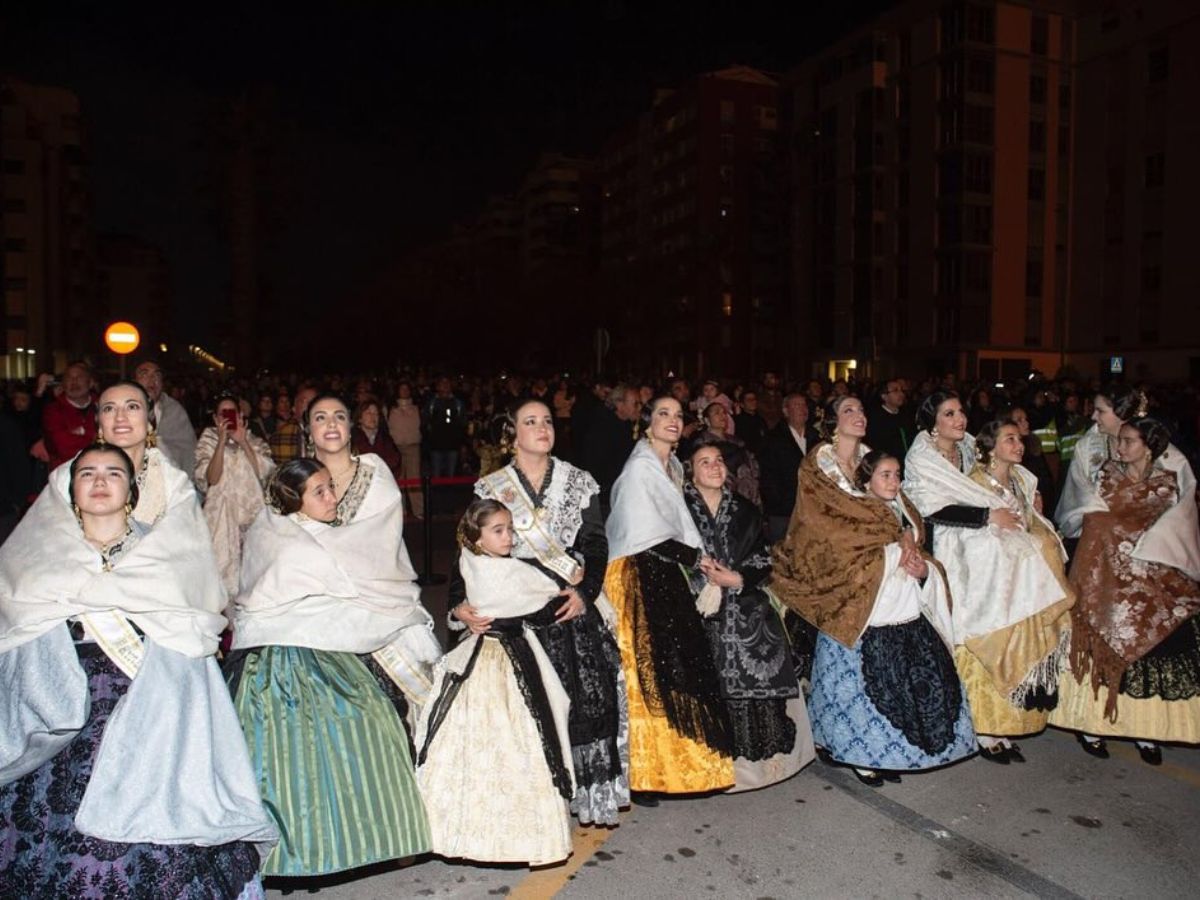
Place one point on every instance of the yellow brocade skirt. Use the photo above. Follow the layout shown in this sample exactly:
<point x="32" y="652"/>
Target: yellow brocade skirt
<point x="991" y="712"/>
<point x="660" y="759"/>
<point x="1149" y="719"/>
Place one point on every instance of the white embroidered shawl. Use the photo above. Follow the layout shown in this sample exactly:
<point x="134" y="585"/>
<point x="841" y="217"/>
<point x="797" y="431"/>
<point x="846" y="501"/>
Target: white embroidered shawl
<point x="997" y="577"/>
<point x="1173" y="540"/>
<point x="648" y="506"/>
<point x="166" y="583"/>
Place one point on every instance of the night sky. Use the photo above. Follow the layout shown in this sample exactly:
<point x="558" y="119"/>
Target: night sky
<point x="388" y="121"/>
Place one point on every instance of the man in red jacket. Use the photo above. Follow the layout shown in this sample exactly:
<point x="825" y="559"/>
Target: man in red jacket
<point x="69" y="420"/>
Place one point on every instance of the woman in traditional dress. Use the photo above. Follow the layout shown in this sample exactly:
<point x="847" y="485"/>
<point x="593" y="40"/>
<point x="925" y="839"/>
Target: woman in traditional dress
<point x="1004" y="564"/>
<point x="231" y="466"/>
<point x="125" y="419"/>
<point x="886" y="697"/>
<point x="1135" y="645"/>
<point x="107" y="635"/>
<point x="556" y="513"/>
<point x="680" y="737"/>
<point x="338" y="649"/>
<point x="494" y="764"/>
<point x="771" y="736"/>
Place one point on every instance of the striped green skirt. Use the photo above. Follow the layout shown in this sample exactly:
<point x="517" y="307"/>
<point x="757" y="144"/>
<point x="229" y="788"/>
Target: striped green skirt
<point x="332" y="760"/>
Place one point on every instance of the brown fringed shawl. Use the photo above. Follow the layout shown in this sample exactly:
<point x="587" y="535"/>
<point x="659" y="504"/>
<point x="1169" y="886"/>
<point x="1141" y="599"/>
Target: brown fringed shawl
<point x="1127" y="606"/>
<point x="830" y="565"/>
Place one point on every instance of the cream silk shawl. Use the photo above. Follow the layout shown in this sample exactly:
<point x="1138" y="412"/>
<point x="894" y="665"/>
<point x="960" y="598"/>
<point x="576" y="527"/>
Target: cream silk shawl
<point x="1174" y="540"/>
<point x="166" y="584"/>
<point x="349" y="588"/>
<point x="997" y="577"/>
<point x="648" y="506"/>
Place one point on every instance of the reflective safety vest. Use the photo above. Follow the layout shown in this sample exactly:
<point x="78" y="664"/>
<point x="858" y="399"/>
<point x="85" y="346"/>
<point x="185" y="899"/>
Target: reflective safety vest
<point x="1048" y="436"/>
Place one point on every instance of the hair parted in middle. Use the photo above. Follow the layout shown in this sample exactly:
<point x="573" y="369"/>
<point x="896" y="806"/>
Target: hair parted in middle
<point x="927" y="411"/>
<point x="867" y="466"/>
<point x="99" y="446"/>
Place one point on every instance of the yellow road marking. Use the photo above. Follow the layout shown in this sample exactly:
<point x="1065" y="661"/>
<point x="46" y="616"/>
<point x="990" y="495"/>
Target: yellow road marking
<point x="546" y="883"/>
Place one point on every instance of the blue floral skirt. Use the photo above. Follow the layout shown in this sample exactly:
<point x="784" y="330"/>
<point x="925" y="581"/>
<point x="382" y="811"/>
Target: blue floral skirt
<point x="42" y="855"/>
<point x="893" y="702"/>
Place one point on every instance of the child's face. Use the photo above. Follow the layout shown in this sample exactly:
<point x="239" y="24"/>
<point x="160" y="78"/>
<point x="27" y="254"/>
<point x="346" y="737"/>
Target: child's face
<point x="496" y="535"/>
<point x="885" y="480"/>
<point x="319" y="501"/>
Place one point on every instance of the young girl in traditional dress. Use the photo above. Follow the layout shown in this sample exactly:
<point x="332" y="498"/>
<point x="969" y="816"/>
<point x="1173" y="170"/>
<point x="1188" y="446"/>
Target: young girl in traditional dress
<point x="494" y="763"/>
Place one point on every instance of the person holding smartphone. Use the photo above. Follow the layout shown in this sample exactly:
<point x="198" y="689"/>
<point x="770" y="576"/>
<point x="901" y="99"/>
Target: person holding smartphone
<point x="231" y="466"/>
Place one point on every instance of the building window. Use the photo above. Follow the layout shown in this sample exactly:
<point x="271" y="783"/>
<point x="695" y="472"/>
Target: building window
<point x="949" y="273"/>
<point x="1158" y="65"/>
<point x="1037" y="184"/>
<point x="981" y="24"/>
<point x="727" y="304"/>
<point x="768" y="118"/>
<point x="1037" y="137"/>
<point x="14" y="245"/>
<point x="981" y="76"/>
<point x="978" y="173"/>
<point x="727" y="145"/>
<point x="1156" y="170"/>
<point x="951" y="71"/>
<point x="1037" y="89"/>
<point x="977" y="271"/>
<point x="15" y="284"/>
<point x="14" y="206"/>
<point x="1064" y="97"/>
<point x="978" y="224"/>
<point x="950" y="175"/>
<point x="728" y="113"/>
<point x="13" y="167"/>
<point x="1151" y="279"/>
<point x="1039" y="36"/>
<point x="1033" y="277"/>
<point x="978" y="124"/>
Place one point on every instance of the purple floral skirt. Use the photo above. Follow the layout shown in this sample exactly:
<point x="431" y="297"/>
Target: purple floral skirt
<point x="42" y="855"/>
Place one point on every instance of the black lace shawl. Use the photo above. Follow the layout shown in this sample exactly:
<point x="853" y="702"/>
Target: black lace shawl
<point x="675" y="668"/>
<point x="748" y="642"/>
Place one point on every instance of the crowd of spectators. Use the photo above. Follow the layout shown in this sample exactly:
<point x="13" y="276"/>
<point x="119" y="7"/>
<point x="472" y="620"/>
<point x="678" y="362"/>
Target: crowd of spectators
<point x="444" y="424"/>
